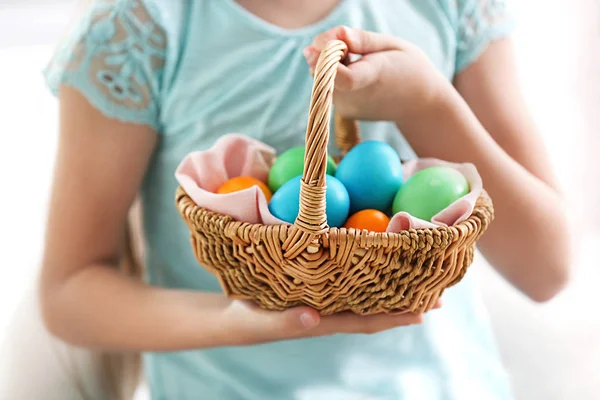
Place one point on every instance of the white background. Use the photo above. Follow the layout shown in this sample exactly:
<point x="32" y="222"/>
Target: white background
<point x="552" y="350"/>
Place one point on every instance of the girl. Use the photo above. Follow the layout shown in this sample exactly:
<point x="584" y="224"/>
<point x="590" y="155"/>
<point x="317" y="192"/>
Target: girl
<point x="143" y="82"/>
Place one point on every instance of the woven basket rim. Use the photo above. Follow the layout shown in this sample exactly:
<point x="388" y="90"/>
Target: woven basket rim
<point x="482" y="206"/>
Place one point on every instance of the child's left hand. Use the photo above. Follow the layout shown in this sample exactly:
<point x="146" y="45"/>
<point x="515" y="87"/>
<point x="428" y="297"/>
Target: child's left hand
<point x="392" y="80"/>
<point x="485" y="122"/>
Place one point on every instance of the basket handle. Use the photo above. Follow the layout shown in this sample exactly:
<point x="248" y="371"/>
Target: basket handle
<point x="312" y="218"/>
<point x="347" y="133"/>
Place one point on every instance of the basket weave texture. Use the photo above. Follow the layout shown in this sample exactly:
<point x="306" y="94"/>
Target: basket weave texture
<point x="331" y="269"/>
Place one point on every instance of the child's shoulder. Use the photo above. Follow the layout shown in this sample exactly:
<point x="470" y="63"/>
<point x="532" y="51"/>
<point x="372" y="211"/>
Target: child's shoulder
<point x="131" y="17"/>
<point x="475" y="23"/>
<point x="471" y="12"/>
<point x="170" y="14"/>
<point x="166" y="15"/>
<point x="119" y="55"/>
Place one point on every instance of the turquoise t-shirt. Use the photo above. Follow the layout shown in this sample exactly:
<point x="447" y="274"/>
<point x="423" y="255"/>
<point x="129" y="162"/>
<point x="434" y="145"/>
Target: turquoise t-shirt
<point x="196" y="70"/>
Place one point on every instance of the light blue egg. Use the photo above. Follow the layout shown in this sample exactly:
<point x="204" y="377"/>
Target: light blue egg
<point x="285" y="203"/>
<point x="372" y="174"/>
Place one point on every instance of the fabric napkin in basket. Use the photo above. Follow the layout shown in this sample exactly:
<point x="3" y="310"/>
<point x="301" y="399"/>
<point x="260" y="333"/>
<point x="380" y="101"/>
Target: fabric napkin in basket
<point x="201" y="173"/>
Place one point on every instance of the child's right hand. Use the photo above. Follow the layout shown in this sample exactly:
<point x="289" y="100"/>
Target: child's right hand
<point x="393" y="79"/>
<point x="248" y="324"/>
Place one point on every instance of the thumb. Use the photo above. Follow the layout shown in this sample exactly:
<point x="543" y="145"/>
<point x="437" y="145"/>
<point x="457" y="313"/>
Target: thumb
<point x="253" y="324"/>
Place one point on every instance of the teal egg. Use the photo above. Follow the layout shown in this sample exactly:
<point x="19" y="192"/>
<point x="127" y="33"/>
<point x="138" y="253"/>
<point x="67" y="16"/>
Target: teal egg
<point x="285" y="203"/>
<point x="291" y="164"/>
<point x="372" y="173"/>
<point x="429" y="191"/>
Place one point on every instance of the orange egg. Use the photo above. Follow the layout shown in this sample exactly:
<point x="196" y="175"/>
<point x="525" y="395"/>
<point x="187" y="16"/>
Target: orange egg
<point x="371" y="220"/>
<point x="244" y="182"/>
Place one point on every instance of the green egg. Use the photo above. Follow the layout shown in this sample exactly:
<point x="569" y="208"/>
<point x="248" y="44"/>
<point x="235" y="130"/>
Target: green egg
<point x="289" y="165"/>
<point x="429" y="191"/>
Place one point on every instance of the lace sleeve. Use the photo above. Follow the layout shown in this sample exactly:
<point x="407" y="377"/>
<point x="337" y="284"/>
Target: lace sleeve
<point x="479" y="23"/>
<point x="115" y="58"/>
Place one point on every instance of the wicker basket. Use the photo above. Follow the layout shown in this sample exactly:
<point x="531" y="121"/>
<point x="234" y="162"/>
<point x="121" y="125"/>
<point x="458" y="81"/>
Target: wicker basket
<point x="331" y="269"/>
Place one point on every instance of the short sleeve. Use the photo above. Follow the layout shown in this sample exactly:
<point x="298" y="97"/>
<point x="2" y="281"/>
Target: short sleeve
<point x="115" y="58"/>
<point x="479" y="22"/>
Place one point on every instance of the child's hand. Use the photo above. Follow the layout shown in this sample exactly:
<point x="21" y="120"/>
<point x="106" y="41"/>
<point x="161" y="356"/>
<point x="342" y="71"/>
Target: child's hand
<point x="391" y="80"/>
<point x="247" y="324"/>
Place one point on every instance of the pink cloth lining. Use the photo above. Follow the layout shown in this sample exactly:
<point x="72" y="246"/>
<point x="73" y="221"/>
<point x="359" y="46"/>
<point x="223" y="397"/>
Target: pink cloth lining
<point x="201" y="173"/>
<point x="455" y="213"/>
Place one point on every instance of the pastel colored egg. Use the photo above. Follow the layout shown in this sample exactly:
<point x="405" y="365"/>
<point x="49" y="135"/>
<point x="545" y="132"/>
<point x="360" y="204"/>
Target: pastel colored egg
<point x="372" y="173"/>
<point x="285" y="203"/>
<point x="289" y="165"/>
<point x="244" y="182"/>
<point x="371" y="220"/>
<point x="429" y="191"/>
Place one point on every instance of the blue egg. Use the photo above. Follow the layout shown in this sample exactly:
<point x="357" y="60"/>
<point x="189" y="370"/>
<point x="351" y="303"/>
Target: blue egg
<point x="372" y="174"/>
<point x="285" y="203"/>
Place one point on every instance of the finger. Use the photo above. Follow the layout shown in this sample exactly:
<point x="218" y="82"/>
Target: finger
<point x="360" y="41"/>
<point x="255" y="325"/>
<point x="323" y="38"/>
<point x="311" y="54"/>
<point x="352" y="323"/>
<point x="357" y="75"/>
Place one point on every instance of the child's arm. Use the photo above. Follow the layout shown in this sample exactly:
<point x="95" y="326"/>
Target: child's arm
<point x="88" y="302"/>
<point x="533" y="221"/>
<point x="490" y="126"/>
<point x="529" y="241"/>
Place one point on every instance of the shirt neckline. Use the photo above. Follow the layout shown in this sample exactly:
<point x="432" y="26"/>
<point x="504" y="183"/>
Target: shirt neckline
<point x="270" y="28"/>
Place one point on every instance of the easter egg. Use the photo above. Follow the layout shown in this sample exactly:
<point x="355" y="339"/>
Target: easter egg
<point x="290" y="164"/>
<point x="372" y="173"/>
<point x="429" y="191"/>
<point x="244" y="182"/>
<point x="371" y="220"/>
<point x="285" y="203"/>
